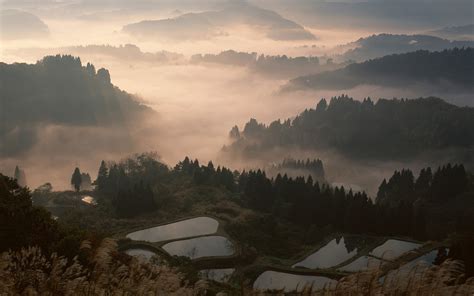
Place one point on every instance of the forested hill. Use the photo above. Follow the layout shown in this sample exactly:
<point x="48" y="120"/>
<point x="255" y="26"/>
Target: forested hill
<point x="270" y="66"/>
<point x="380" y="45"/>
<point x="59" y="90"/>
<point x="448" y="67"/>
<point x="386" y="129"/>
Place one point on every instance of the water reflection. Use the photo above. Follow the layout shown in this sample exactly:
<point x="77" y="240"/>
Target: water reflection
<point x="332" y="254"/>
<point x="413" y="270"/>
<point x="89" y="200"/>
<point x="181" y="229"/>
<point x="393" y="248"/>
<point x="201" y="247"/>
<point x="361" y="264"/>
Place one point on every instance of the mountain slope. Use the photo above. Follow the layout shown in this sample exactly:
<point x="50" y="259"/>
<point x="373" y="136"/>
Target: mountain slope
<point x="58" y="90"/>
<point x="450" y="68"/>
<point x="387" y="129"/>
<point x="381" y="45"/>
<point x="455" y="33"/>
<point x="210" y="24"/>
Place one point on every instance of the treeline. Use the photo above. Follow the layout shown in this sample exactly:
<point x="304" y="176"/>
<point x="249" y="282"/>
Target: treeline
<point x="407" y="127"/>
<point x="276" y="66"/>
<point x="297" y="167"/>
<point x="131" y="185"/>
<point x="444" y="198"/>
<point x="441" y="186"/>
<point x="140" y="184"/>
<point x="444" y="68"/>
<point x="207" y="175"/>
<point x="300" y="199"/>
<point x="404" y="205"/>
<point x="380" y="45"/>
<point x="430" y="206"/>
<point x="303" y="201"/>
<point x="58" y="90"/>
<point x="397" y="210"/>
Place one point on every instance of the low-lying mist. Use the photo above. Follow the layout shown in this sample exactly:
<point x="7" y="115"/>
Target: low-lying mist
<point x="196" y="105"/>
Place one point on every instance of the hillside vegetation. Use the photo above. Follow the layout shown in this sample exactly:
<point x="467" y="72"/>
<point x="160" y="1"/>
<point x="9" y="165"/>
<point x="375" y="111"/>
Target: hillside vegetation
<point x="449" y="68"/>
<point x="58" y="90"/>
<point x="408" y="128"/>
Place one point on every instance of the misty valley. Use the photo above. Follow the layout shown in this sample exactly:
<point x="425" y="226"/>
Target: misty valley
<point x="246" y="147"/>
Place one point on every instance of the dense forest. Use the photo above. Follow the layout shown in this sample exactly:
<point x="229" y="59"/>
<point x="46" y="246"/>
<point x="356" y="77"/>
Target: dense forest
<point x="432" y="206"/>
<point x="380" y="45"/>
<point x="439" y="69"/>
<point x="355" y="128"/>
<point x="436" y="204"/>
<point x="268" y="65"/>
<point x="58" y="90"/>
<point x="404" y="205"/>
<point x="297" y="167"/>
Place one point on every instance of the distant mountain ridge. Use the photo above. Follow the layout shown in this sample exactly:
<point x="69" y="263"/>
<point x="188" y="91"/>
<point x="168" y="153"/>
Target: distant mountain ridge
<point x="271" y="66"/>
<point x="124" y="52"/>
<point x="381" y="14"/>
<point x="209" y="24"/>
<point x="465" y="32"/>
<point x="380" y="45"/>
<point x="17" y="24"/>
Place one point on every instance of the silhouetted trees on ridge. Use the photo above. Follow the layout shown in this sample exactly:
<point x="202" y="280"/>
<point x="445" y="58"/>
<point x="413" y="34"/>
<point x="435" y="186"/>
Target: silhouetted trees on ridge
<point x="58" y="90"/>
<point x="355" y="128"/>
<point x="453" y="66"/>
<point x="129" y="184"/>
<point x="297" y="167"/>
<point x="444" y="184"/>
<point x="404" y="205"/>
<point x="276" y="66"/>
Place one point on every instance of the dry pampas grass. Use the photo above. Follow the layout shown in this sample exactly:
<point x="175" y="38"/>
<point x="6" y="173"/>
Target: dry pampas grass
<point x="446" y="279"/>
<point x="29" y="272"/>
